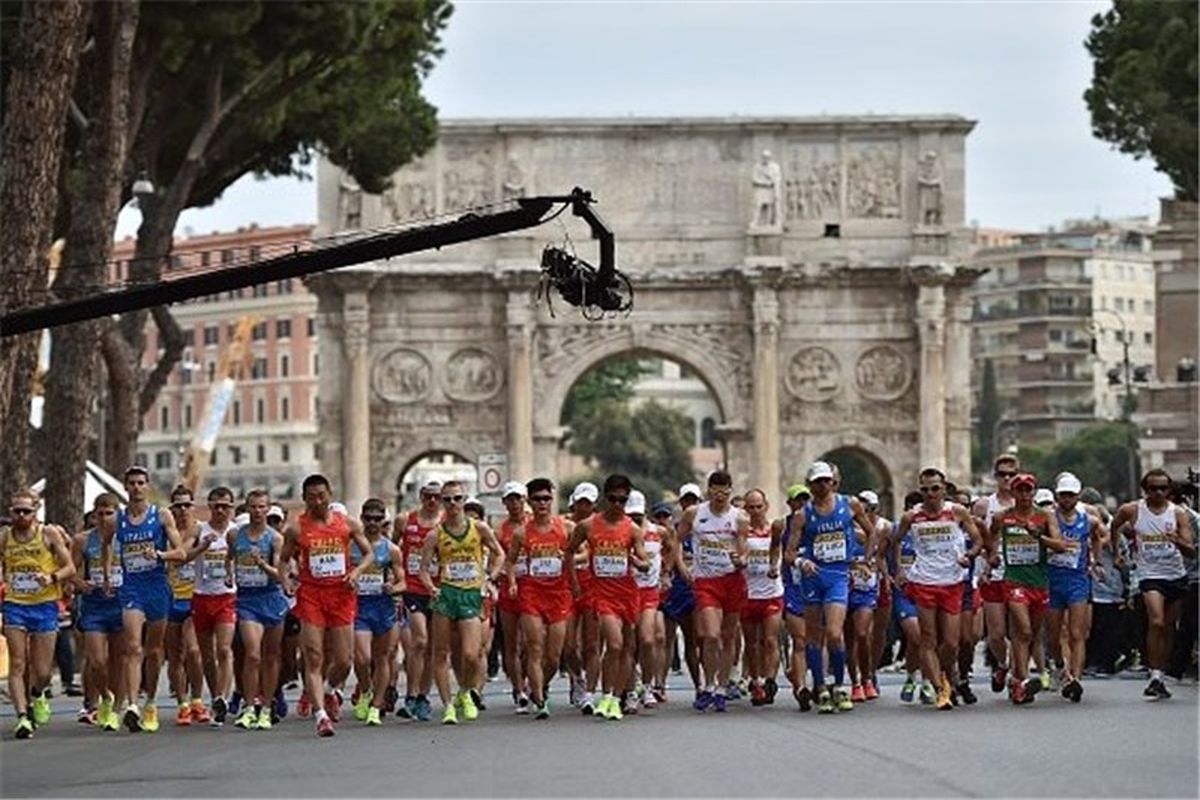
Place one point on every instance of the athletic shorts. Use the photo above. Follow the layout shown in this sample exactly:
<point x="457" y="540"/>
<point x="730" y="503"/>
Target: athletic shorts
<point x="266" y="608"/>
<point x="941" y="598"/>
<point x="326" y="606"/>
<point x="33" y="618"/>
<point x="506" y="604"/>
<point x="648" y="598"/>
<point x="793" y="598"/>
<point x="180" y="611"/>
<point x="992" y="592"/>
<point x="211" y="610"/>
<point x="727" y="592"/>
<point x="1069" y="586"/>
<point x="1171" y="590"/>
<point x="1017" y="594"/>
<point x="862" y="598"/>
<point x="99" y="617"/>
<point x="153" y="599"/>
<point x="458" y="604"/>
<point x="902" y="607"/>
<point x="755" y="612"/>
<point x="549" y="605"/>
<point x="416" y="603"/>
<point x="376" y="613"/>
<point x="827" y="585"/>
<point x="680" y="601"/>
<point x="616" y="601"/>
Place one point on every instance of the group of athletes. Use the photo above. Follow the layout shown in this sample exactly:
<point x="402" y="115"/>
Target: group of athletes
<point x="602" y="591"/>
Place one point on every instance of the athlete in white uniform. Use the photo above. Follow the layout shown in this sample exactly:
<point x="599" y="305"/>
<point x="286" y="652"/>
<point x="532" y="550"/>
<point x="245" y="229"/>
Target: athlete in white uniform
<point x="214" y="602"/>
<point x="763" y="611"/>
<point x="991" y="579"/>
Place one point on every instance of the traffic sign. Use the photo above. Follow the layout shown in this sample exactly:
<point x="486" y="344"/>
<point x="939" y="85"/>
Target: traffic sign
<point x="493" y="472"/>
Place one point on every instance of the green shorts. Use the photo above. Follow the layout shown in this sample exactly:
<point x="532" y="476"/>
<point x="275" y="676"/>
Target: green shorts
<point x="456" y="604"/>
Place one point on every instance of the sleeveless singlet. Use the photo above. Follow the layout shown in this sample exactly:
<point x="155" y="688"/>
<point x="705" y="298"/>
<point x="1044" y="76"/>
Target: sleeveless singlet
<point x="653" y="547"/>
<point x="1077" y="536"/>
<point x="23" y="562"/>
<point x="461" y="557"/>
<point x="412" y="539"/>
<point x="828" y="536"/>
<point x="372" y="579"/>
<point x="138" y="548"/>
<point x="505" y="535"/>
<point x="249" y="576"/>
<point x="938" y="542"/>
<point x="324" y="550"/>
<point x="1022" y="552"/>
<point x="210" y="573"/>
<point x="543" y="552"/>
<point x="608" y="549"/>
<point x="759" y="584"/>
<point x="1156" y="556"/>
<point x="714" y="539"/>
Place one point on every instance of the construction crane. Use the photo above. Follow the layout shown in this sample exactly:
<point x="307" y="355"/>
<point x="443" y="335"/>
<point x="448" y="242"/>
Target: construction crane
<point x="230" y="368"/>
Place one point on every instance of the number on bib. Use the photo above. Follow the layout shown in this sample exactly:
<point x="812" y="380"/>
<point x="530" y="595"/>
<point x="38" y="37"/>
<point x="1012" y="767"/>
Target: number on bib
<point x="1023" y="553"/>
<point x="1068" y="559"/>
<point x="462" y="571"/>
<point x="370" y="583"/>
<point x="214" y="566"/>
<point x="546" y="566"/>
<point x="139" y="556"/>
<point x="830" y="548"/>
<point x="250" y="576"/>
<point x="610" y="566"/>
<point x="24" y="583"/>
<point x="327" y="565"/>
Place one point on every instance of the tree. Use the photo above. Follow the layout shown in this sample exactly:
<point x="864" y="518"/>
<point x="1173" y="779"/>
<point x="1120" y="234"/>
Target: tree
<point x="40" y="57"/>
<point x="1143" y="95"/>
<point x="1099" y="455"/>
<point x="611" y="381"/>
<point x="989" y="416"/>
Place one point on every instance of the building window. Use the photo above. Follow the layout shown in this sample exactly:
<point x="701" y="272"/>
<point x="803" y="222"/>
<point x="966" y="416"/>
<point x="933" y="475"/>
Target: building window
<point x="212" y="334"/>
<point x="255" y="252"/>
<point x="312" y="327"/>
<point x="227" y="256"/>
<point x="212" y="458"/>
<point x="141" y="459"/>
<point x="285" y="364"/>
<point x="189" y="339"/>
<point x="262" y="454"/>
<point x="205" y="258"/>
<point x="1148" y="337"/>
<point x="260" y="332"/>
<point x="260" y="290"/>
<point x="317" y="451"/>
<point x="187" y="416"/>
<point x="284" y="286"/>
<point x="285" y="409"/>
<point x="258" y="370"/>
<point x="708" y="432"/>
<point x="1119" y="303"/>
<point x="236" y="453"/>
<point x="211" y="369"/>
<point x="164" y="416"/>
<point x="260" y="410"/>
<point x="162" y="459"/>
<point x="285" y="453"/>
<point x="1056" y="335"/>
<point x="283" y="329"/>
<point x="316" y="370"/>
<point x="1148" y="306"/>
<point x="237" y="412"/>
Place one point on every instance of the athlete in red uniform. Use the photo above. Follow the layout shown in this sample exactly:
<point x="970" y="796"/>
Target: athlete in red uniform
<point x="513" y="496"/>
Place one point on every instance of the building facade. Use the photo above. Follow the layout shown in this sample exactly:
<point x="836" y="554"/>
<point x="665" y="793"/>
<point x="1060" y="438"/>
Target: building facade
<point x="269" y="435"/>
<point x="1053" y="315"/>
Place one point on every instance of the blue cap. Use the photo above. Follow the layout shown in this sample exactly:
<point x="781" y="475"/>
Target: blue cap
<point x="660" y="508"/>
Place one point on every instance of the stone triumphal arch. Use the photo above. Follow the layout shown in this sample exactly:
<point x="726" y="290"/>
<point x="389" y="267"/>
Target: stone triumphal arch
<point x="808" y="269"/>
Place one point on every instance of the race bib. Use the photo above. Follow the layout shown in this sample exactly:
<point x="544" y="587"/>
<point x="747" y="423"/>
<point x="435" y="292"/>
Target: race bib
<point x="1157" y="548"/>
<point x="327" y="565"/>
<point x="863" y="578"/>
<point x="759" y="563"/>
<point x="907" y="559"/>
<point x="462" y="571"/>
<point x="250" y="575"/>
<point x="714" y="557"/>
<point x="185" y="573"/>
<point x="116" y="576"/>
<point x="610" y="565"/>
<point x="370" y="583"/>
<point x="139" y="556"/>
<point x="214" y="566"/>
<point x="1068" y="559"/>
<point x="24" y="583"/>
<point x="1023" y="553"/>
<point x="413" y="565"/>
<point x="937" y="540"/>
<point x="546" y="566"/>
<point x="829" y="547"/>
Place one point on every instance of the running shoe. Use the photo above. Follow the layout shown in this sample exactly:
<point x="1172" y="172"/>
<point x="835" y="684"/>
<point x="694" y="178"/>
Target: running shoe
<point x="542" y="711"/>
<point x="1016" y="693"/>
<point x="86" y="716"/>
<point x="424" y="709"/>
<point x="733" y="691"/>
<point x="999" y="678"/>
<point x="803" y="698"/>
<point x="325" y="727"/>
<point x="1073" y="690"/>
<point x="587" y="706"/>
<point x="235" y="703"/>
<point x="279" y="705"/>
<point x="659" y="693"/>
<point x="967" y="695"/>
<point x="248" y="719"/>
<point x="1162" y="690"/>
<point x="703" y="701"/>
<point x="523" y="705"/>
<point x="758" y="695"/>
<point x="24" y="729"/>
<point x="628" y="703"/>
<point x="575" y="691"/>
<point x="856" y="694"/>
<point x="824" y="702"/>
<point x="770" y="689"/>
<point x="842" y="699"/>
<point x="1032" y="686"/>
<point x="150" y="719"/>
<point x="183" y="715"/>
<point x="304" y="707"/>
<point x="219" y="709"/>
<point x="870" y="690"/>
<point x="40" y="710"/>
<point x="928" y="695"/>
<point x="649" y="701"/>
<point x="132" y="719"/>
<point x="265" y="719"/>
<point x="1156" y="690"/>
<point x="390" y="698"/>
<point x="614" y="710"/>
<point x="469" y="708"/>
<point x="908" y="690"/>
<point x="408" y="710"/>
<point x="477" y="698"/>
<point x="200" y="714"/>
<point x="73" y="690"/>
<point x="362" y="705"/>
<point x="333" y="705"/>
<point x="373" y="717"/>
<point x="450" y="715"/>
<point x="943" y="701"/>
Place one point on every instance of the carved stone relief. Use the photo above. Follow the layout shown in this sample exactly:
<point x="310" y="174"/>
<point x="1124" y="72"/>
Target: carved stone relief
<point x="873" y="180"/>
<point x="467" y="176"/>
<point x="412" y="199"/>
<point x="402" y="375"/>
<point x="812" y="181"/>
<point x="813" y="374"/>
<point x="472" y="375"/>
<point x="882" y="373"/>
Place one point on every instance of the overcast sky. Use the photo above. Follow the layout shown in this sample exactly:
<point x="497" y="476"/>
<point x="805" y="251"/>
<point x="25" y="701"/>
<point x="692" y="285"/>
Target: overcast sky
<point x="1018" y="68"/>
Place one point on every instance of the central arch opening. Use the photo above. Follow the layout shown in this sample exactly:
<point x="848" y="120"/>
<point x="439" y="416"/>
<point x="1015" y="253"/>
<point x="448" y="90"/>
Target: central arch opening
<point x="644" y="414"/>
<point x="433" y="465"/>
<point x="863" y="470"/>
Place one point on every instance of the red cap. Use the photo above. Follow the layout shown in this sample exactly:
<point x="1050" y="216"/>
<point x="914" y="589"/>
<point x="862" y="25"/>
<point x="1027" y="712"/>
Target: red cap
<point x="1026" y="478"/>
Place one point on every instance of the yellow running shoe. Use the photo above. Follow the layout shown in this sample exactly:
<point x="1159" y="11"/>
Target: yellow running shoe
<point x="373" y="716"/>
<point x="40" y="710"/>
<point x="24" y="729"/>
<point x="450" y="716"/>
<point x="248" y="719"/>
<point x="470" y="712"/>
<point x="150" y="718"/>
<point x="362" y="705"/>
<point x="614" y="709"/>
<point x="264" y="719"/>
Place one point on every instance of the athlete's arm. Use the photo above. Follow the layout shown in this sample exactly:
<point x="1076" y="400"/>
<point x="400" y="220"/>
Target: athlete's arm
<point x="273" y="568"/>
<point x="56" y="538"/>
<point x="1124" y="516"/>
<point x="364" y="547"/>
<point x="897" y="542"/>
<point x="683" y="529"/>
<point x="399" y="577"/>
<point x="1182" y="537"/>
<point x="577" y="537"/>
<point x="230" y="543"/>
<point x="773" y="551"/>
<point x="741" y="548"/>
<point x="1099" y="537"/>
<point x="860" y="519"/>
<point x="638" y="545"/>
<point x="427" y="549"/>
<point x="968" y="523"/>
<point x="1053" y="537"/>
<point x="991" y="537"/>
<point x="78" y="541"/>
<point x="493" y="546"/>
<point x="510" y="564"/>
<point x="291" y="536"/>
<point x="176" y="552"/>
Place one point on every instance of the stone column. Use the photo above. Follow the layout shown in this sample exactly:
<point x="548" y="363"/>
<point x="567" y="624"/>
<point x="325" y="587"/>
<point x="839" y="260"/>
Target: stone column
<point x="958" y="385"/>
<point x="519" y="323"/>
<point x="931" y="334"/>
<point x="766" y="393"/>
<point x="356" y="405"/>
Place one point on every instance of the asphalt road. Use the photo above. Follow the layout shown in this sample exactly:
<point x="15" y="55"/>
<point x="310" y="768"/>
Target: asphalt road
<point x="1113" y="744"/>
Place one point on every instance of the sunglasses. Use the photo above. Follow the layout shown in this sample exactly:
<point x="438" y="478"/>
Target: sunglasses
<point x="1157" y="487"/>
<point x="182" y="505"/>
<point x="754" y="506"/>
<point x="21" y="511"/>
<point x="1005" y="475"/>
<point x="106" y="512"/>
<point x="617" y="499"/>
<point x="937" y="487"/>
<point x="720" y="491"/>
<point x="374" y="517"/>
<point x="220" y="505"/>
<point x="541" y="498"/>
<point x="821" y="480"/>
<point x="453" y="498"/>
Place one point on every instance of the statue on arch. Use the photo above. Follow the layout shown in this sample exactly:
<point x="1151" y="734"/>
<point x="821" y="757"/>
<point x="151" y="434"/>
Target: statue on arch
<point x="767" y="180"/>
<point x="929" y="189"/>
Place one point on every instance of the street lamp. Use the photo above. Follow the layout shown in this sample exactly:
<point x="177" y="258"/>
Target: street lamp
<point x="143" y="187"/>
<point x="1127" y="405"/>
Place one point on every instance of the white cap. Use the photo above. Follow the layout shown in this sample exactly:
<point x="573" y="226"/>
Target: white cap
<point x="585" y="491"/>
<point x="241" y="519"/>
<point x="1043" y="496"/>
<point x="514" y="487"/>
<point x="339" y="507"/>
<point x="636" y="504"/>
<point x="431" y="487"/>
<point x="819" y="469"/>
<point x="869" y="497"/>
<point x="1068" y="483"/>
<point x="275" y="511"/>
<point x="690" y="488"/>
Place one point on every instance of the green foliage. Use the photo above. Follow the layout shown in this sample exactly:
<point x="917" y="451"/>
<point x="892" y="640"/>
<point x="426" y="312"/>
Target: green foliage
<point x="1098" y="455"/>
<point x="610" y="382"/>
<point x="1143" y="95"/>
<point x="858" y="473"/>
<point x="989" y="415"/>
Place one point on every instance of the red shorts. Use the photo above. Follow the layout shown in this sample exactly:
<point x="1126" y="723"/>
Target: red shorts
<point x="584" y="604"/>
<point x="507" y="604"/>
<point x="885" y="595"/>
<point x="991" y="592"/>
<point x="210" y="610"/>
<point x="1016" y="594"/>
<point x="727" y="592"/>
<point x="547" y="604"/>
<point x="616" y="601"/>
<point x="326" y="606"/>
<point x="755" y="612"/>
<point x="943" y="598"/>
<point x="648" y="598"/>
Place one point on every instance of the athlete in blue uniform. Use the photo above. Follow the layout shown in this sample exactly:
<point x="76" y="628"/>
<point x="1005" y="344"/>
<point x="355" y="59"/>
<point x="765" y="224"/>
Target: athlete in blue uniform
<point x="99" y="614"/>
<point x="375" y="622"/>
<point x="902" y="555"/>
<point x="798" y="496"/>
<point x="680" y="602"/>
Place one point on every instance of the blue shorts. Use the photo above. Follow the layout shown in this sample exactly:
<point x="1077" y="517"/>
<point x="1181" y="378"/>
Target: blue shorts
<point x="267" y="608"/>
<point x="679" y="601"/>
<point x="152" y="599"/>
<point x="180" y="611"/>
<point x="1068" y="587"/>
<point x="793" y="598"/>
<point x="376" y="613"/>
<point x="902" y="607"/>
<point x="863" y="598"/>
<point x="99" y="616"/>
<point x="968" y="597"/>
<point x="35" y="618"/>
<point x="826" y="586"/>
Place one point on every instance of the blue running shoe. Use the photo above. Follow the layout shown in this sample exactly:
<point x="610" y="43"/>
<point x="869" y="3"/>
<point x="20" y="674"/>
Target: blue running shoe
<point x="703" y="701"/>
<point x="718" y="703"/>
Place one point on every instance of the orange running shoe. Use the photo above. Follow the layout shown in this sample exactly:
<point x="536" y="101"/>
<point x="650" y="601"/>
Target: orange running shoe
<point x="856" y="693"/>
<point x="200" y="714"/>
<point x="304" y="707"/>
<point x="183" y="717"/>
<point x="870" y="691"/>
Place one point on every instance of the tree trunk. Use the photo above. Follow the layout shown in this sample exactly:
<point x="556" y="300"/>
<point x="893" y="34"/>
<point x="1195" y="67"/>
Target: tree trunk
<point x="74" y="373"/>
<point x="45" y="56"/>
